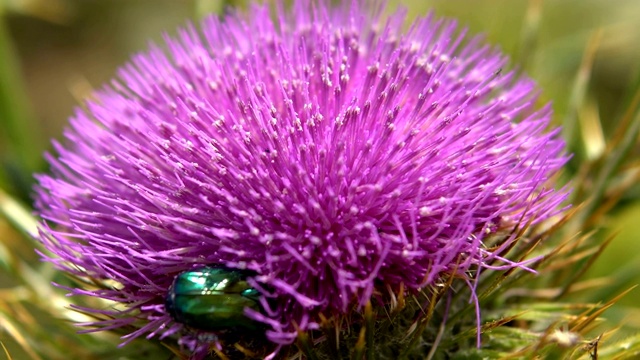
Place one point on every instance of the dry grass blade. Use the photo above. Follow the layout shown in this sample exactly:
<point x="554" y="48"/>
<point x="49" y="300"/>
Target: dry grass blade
<point x="595" y="254"/>
<point x="581" y="323"/>
<point x="600" y="174"/>
<point x="592" y="131"/>
<point x="18" y="215"/>
<point x="579" y="89"/>
<point x="17" y="334"/>
<point x="627" y="120"/>
<point x="6" y="352"/>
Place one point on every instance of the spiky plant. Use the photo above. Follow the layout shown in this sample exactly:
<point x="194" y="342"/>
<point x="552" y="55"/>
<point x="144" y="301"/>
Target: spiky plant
<point x="519" y="314"/>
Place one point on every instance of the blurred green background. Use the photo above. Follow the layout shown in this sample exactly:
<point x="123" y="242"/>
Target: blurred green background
<point x="54" y="52"/>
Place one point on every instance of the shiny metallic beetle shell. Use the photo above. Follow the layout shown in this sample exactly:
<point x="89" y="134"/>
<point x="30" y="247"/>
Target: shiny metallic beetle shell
<point x="212" y="298"/>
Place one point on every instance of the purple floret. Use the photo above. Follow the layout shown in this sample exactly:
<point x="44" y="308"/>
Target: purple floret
<point x="328" y="150"/>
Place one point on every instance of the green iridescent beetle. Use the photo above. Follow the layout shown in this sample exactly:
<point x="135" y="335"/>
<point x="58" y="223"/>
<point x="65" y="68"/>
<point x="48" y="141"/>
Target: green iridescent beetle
<point x="213" y="298"/>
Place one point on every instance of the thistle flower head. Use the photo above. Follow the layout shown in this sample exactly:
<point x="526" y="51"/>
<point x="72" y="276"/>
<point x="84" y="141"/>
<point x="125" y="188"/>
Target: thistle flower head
<point x="331" y="152"/>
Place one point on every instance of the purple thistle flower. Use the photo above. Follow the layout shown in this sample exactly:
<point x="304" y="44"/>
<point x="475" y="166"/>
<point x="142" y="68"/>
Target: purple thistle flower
<point x="328" y="150"/>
